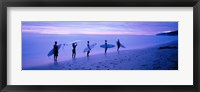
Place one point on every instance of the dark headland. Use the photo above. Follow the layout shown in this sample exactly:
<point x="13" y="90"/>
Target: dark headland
<point x="173" y="33"/>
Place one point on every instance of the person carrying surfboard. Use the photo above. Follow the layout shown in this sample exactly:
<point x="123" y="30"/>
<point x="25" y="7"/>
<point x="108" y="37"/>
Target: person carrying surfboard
<point x="55" y="52"/>
<point x="106" y="46"/>
<point x="74" y="49"/>
<point x="118" y="45"/>
<point x="88" y="45"/>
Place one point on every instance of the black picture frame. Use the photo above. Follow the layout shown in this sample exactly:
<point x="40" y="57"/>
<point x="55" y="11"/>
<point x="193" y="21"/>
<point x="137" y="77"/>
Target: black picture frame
<point x="98" y="3"/>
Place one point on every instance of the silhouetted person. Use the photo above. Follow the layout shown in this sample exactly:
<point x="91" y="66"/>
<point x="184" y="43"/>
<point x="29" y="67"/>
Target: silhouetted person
<point x="74" y="50"/>
<point x="55" y="47"/>
<point x="118" y="45"/>
<point x="88" y="45"/>
<point x="106" y="46"/>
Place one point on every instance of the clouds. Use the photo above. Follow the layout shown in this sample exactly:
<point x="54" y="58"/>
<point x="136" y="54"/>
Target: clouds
<point x="101" y="28"/>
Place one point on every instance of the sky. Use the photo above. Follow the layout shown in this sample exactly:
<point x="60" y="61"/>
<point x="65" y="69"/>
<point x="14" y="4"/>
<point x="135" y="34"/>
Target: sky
<point x="99" y="28"/>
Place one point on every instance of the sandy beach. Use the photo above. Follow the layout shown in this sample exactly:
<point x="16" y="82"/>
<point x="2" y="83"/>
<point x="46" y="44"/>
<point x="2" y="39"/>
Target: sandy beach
<point x="150" y="58"/>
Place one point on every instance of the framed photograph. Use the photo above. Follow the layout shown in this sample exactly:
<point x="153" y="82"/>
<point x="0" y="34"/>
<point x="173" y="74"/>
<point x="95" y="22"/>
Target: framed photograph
<point x="107" y="45"/>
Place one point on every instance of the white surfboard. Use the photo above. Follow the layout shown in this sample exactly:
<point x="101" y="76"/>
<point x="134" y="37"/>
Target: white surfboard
<point x="71" y="42"/>
<point x="121" y="45"/>
<point x="51" y="52"/>
<point x="91" y="47"/>
<point x="108" y="46"/>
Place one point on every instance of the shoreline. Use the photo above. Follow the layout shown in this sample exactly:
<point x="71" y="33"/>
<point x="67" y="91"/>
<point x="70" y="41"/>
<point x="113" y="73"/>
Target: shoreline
<point x="149" y="58"/>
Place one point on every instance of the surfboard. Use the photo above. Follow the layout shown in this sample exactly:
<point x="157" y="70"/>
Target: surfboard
<point x="51" y="52"/>
<point x="108" y="46"/>
<point x="91" y="47"/>
<point x="71" y="42"/>
<point x="121" y="45"/>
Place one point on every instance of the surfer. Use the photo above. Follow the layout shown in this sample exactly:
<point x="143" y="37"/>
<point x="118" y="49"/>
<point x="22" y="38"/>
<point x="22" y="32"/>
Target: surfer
<point x="74" y="49"/>
<point x="106" y="46"/>
<point x="88" y="45"/>
<point x="118" y="45"/>
<point x="55" y="52"/>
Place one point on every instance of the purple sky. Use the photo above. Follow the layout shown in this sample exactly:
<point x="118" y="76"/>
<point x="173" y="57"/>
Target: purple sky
<point x="104" y="28"/>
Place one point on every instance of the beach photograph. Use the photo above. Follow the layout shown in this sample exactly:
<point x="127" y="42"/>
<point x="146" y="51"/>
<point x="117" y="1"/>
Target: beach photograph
<point x="99" y="45"/>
